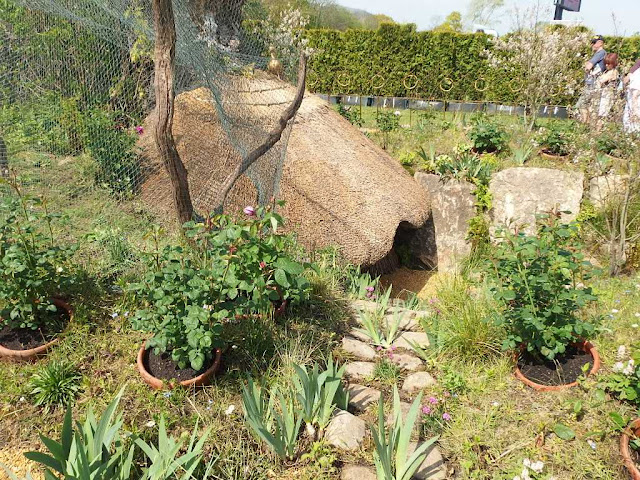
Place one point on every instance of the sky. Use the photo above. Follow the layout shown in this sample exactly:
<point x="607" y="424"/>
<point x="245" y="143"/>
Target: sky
<point x="596" y="14"/>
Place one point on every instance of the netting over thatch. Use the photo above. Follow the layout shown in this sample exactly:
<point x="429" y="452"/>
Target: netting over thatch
<point x="76" y="85"/>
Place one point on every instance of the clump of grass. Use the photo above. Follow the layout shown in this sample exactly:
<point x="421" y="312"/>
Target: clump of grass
<point x="463" y="326"/>
<point x="386" y="372"/>
<point x="56" y="385"/>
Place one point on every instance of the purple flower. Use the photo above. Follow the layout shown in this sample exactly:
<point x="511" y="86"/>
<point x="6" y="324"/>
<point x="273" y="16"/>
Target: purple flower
<point x="446" y="417"/>
<point x="379" y="348"/>
<point x="370" y="289"/>
<point x="433" y="400"/>
<point x="426" y="410"/>
<point x="140" y="130"/>
<point x="249" y="211"/>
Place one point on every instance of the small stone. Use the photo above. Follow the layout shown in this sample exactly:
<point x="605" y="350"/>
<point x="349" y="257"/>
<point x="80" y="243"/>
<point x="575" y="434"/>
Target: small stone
<point x="417" y="381"/>
<point x="360" y="335"/>
<point x="358" y="349"/>
<point x="358" y="472"/>
<point x="419" y="338"/>
<point x="364" y="305"/>
<point x="359" y="370"/>
<point x="345" y="431"/>
<point x="433" y="467"/>
<point x="406" y="361"/>
<point x="360" y="397"/>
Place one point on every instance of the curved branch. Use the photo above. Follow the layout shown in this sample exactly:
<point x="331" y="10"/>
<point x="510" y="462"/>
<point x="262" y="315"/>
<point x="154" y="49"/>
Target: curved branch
<point x="274" y="136"/>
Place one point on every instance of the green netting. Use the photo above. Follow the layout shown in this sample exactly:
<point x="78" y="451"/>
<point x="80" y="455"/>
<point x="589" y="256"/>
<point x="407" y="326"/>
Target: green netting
<point x="76" y="93"/>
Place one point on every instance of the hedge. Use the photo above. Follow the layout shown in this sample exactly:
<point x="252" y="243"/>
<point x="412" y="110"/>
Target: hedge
<point x="398" y="61"/>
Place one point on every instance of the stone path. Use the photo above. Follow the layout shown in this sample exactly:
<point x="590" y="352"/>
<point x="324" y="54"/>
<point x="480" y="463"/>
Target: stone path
<point x="347" y="431"/>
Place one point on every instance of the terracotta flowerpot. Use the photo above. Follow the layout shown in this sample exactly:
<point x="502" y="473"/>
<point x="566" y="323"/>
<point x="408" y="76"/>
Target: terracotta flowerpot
<point x="553" y="156"/>
<point x="157" y="384"/>
<point x="585" y="347"/>
<point x="632" y="431"/>
<point x="33" y="353"/>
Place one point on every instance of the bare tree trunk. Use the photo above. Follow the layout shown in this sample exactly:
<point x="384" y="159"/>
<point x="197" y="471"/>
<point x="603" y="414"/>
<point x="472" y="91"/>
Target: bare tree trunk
<point x="272" y="139"/>
<point x="4" y="159"/>
<point x="165" y="50"/>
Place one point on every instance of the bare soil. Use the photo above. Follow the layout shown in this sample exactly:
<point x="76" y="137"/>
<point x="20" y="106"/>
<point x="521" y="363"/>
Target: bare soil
<point x="565" y="369"/>
<point x="164" y="368"/>
<point x="26" y="338"/>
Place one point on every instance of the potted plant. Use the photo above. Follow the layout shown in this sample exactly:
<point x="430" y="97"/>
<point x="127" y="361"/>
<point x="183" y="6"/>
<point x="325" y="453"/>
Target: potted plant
<point x="232" y="269"/>
<point x="554" y="142"/>
<point x="630" y="448"/>
<point x="540" y="281"/>
<point x="488" y="137"/>
<point x="34" y="271"/>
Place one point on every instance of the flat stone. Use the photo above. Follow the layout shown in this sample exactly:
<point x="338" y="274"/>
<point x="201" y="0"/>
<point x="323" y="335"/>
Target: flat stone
<point x="358" y="472"/>
<point x="417" y="381"/>
<point x="406" y="361"/>
<point x="419" y="338"/>
<point x="364" y="305"/>
<point x="359" y="335"/>
<point x="358" y="349"/>
<point x="433" y="467"/>
<point x="407" y="320"/>
<point x="360" y="397"/>
<point x="519" y="194"/>
<point x="345" y="431"/>
<point x="359" y="370"/>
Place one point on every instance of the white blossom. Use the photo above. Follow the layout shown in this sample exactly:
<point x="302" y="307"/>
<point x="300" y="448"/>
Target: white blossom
<point x="622" y="352"/>
<point x="618" y="367"/>
<point x="630" y="368"/>
<point x="229" y="410"/>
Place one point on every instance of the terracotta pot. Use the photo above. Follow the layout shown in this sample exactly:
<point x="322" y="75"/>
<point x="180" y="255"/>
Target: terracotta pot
<point x="632" y="431"/>
<point x="157" y="384"/>
<point x="33" y="353"/>
<point x="553" y="156"/>
<point x="584" y="346"/>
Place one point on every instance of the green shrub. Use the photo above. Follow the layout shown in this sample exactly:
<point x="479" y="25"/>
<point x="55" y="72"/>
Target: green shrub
<point x="555" y="139"/>
<point x="488" y="137"/>
<point x="234" y="268"/>
<point x="34" y="265"/>
<point x="352" y="114"/>
<point x="57" y="384"/>
<point x="114" y="150"/>
<point x="465" y="166"/>
<point x="538" y="278"/>
<point x="624" y="382"/>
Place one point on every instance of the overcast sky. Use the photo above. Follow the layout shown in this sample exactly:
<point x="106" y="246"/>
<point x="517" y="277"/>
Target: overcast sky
<point x="596" y="14"/>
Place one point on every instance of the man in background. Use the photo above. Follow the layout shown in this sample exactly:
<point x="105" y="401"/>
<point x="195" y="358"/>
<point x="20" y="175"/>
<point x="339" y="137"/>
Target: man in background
<point x="589" y="102"/>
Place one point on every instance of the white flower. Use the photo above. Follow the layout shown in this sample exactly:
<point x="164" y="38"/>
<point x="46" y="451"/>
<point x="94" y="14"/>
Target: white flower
<point x="114" y="315"/>
<point x="537" y="466"/>
<point x="229" y="410"/>
<point x="592" y="444"/>
<point x="233" y="347"/>
<point x="637" y="314"/>
<point x="615" y="310"/>
<point x="150" y="424"/>
<point x="617" y="367"/>
<point x="59" y="269"/>
<point x="496" y="404"/>
<point x="397" y="113"/>
<point x="622" y="352"/>
<point x="630" y="368"/>
<point x="635" y="325"/>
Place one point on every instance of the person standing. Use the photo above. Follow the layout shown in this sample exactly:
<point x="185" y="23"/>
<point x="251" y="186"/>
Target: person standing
<point x="589" y="101"/>
<point x="607" y="84"/>
<point x="631" y="116"/>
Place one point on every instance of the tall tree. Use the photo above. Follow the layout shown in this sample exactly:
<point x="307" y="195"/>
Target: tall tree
<point x="164" y="57"/>
<point x="453" y="23"/>
<point x="484" y="12"/>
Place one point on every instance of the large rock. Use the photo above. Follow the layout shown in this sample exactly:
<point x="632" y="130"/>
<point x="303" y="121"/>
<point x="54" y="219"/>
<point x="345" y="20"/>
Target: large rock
<point x="358" y="349"/>
<point x="407" y="339"/>
<point x="359" y="370"/>
<point x="453" y="205"/>
<point x="407" y="362"/>
<point x="358" y="472"/>
<point x="433" y="467"/>
<point x="360" y="397"/>
<point x="339" y="187"/>
<point x="606" y="188"/>
<point x="345" y="431"/>
<point x="519" y="194"/>
<point x="416" y="382"/>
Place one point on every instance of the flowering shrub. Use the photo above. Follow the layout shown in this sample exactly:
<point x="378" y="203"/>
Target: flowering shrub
<point x="33" y="265"/>
<point x="235" y="268"/>
<point x="539" y="280"/>
<point x="436" y="413"/>
<point x="624" y="382"/>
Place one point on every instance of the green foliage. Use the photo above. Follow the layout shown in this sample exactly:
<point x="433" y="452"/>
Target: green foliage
<point x="57" y="384"/>
<point x="380" y="329"/>
<point x="555" y="139"/>
<point x="436" y="413"/>
<point x="538" y="278"/>
<point x="322" y="458"/>
<point x="487" y="136"/>
<point x="563" y="432"/>
<point x="352" y="114"/>
<point x="387" y="121"/>
<point x="234" y="268"/>
<point x="523" y="153"/>
<point x="387" y="372"/>
<point x="113" y="148"/>
<point x="465" y="166"/>
<point x="391" y="454"/>
<point x="360" y="285"/>
<point x="34" y="265"/>
<point x="624" y="382"/>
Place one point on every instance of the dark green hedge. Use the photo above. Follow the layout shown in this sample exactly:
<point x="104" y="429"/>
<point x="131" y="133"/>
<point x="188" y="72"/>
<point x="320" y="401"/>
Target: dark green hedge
<point x="440" y="65"/>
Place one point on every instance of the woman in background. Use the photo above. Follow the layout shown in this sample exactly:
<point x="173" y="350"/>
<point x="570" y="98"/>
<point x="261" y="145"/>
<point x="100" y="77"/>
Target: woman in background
<point x="631" y="118"/>
<point x="607" y="84"/>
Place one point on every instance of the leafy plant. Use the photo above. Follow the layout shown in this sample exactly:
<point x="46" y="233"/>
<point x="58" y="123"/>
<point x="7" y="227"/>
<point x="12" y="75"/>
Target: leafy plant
<point x="624" y="382"/>
<point x="322" y="458"/>
<point x="235" y="268"/>
<point x="464" y="166"/>
<point x="387" y="122"/>
<point x="555" y="140"/>
<point x="391" y="454"/>
<point x="386" y="372"/>
<point x="379" y="329"/>
<point x="57" y="384"/>
<point x="34" y="265"/>
<point x="352" y="114"/>
<point x="538" y="278"/>
<point x="523" y="153"/>
<point x="487" y="136"/>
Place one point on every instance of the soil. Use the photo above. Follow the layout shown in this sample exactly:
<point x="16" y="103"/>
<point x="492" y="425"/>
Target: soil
<point x="26" y="338"/>
<point x="164" y="368"/>
<point x="567" y="369"/>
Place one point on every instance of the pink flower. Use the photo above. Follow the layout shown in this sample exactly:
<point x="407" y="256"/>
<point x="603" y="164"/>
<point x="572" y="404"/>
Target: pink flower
<point x="393" y="347"/>
<point x="433" y="400"/>
<point x="140" y="130"/>
<point x="249" y="211"/>
<point x="263" y="265"/>
<point x="390" y="355"/>
<point x="426" y="410"/>
<point x="379" y="348"/>
<point x="370" y="289"/>
<point x="446" y="417"/>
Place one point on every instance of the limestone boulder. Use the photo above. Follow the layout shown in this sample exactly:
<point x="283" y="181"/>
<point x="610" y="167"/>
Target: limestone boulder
<point x="519" y="194"/>
<point x="606" y="188"/>
<point x="345" y="431"/>
<point x="453" y="206"/>
<point x="433" y="467"/>
<point x="340" y="188"/>
<point x="358" y="472"/>
<point x="416" y="382"/>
